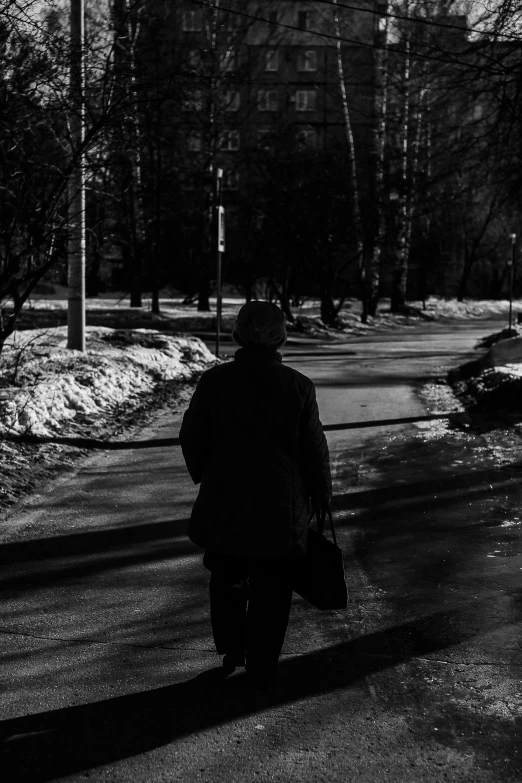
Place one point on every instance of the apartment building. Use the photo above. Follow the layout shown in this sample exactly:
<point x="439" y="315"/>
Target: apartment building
<point x="252" y="78"/>
<point x="262" y="71"/>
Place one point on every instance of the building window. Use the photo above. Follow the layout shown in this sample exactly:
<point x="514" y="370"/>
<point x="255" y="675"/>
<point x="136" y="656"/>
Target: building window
<point x="305" y="100"/>
<point x="190" y="181"/>
<point x="231" y="100"/>
<point x="195" y="141"/>
<point x="271" y="60"/>
<point x="191" y="21"/>
<point x="304" y="20"/>
<point x="230" y="21"/>
<point x="228" y="60"/>
<point x="194" y="58"/>
<point x="267" y="100"/>
<point x="264" y="138"/>
<point x="229" y="141"/>
<point x="193" y="102"/>
<point x="306" y="138"/>
<point x="307" y="61"/>
<point x="230" y="180"/>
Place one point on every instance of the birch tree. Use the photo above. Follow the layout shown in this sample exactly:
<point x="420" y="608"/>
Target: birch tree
<point x="400" y="270"/>
<point x="379" y="132"/>
<point x="354" y="216"/>
<point x="127" y="154"/>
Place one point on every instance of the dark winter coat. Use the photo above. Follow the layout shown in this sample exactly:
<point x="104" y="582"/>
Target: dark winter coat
<point x="253" y="438"/>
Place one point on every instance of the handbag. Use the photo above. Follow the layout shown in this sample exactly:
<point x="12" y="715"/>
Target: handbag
<point x="319" y="576"/>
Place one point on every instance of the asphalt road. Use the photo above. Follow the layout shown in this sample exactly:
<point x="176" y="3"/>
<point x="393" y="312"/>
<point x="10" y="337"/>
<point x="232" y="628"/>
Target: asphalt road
<point x="108" y="669"/>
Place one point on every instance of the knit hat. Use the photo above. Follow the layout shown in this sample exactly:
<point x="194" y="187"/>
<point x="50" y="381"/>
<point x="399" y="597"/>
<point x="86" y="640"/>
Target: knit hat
<point x="260" y="323"/>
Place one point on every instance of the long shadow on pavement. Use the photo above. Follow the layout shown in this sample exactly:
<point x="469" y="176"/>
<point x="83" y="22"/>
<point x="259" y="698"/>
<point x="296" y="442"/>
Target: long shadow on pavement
<point x="52" y="744"/>
<point x="100" y="550"/>
<point x="155" y="443"/>
<point x="469" y="484"/>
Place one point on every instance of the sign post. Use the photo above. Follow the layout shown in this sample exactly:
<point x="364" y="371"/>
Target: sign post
<point x="511" y="265"/>
<point x="220" y="248"/>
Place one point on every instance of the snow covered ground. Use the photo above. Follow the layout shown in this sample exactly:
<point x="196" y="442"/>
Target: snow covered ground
<point x="187" y="315"/>
<point x="436" y="306"/>
<point x="45" y="385"/>
<point x="51" y="393"/>
<point x="56" y="403"/>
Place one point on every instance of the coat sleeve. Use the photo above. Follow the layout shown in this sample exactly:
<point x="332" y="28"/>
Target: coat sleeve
<point x="314" y="451"/>
<point x="195" y="431"/>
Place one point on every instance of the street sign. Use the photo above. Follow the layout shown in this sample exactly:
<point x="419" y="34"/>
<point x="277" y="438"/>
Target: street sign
<point x="221" y="229"/>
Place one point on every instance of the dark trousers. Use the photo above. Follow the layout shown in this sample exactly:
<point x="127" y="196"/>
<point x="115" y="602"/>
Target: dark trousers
<point x="250" y="602"/>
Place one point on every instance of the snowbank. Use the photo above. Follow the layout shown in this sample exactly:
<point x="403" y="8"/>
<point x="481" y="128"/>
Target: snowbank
<point x="184" y="317"/>
<point x="494" y="381"/>
<point x="43" y="384"/>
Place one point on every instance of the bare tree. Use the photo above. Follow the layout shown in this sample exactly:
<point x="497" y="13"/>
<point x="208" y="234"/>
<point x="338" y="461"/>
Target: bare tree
<point x="379" y="130"/>
<point x="354" y="196"/>
<point x="38" y="152"/>
<point x="127" y="152"/>
<point x="34" y="167"/>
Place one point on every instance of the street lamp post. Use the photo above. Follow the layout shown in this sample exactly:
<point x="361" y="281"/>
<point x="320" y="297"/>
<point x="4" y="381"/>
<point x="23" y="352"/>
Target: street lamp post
<point x="511" y="265"/>
<point x="76" y="191"/>
<point x="219" y="218"/>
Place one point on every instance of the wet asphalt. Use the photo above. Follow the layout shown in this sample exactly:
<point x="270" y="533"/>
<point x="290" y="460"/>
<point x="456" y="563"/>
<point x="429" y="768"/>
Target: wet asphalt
<point x="108" y="669"/>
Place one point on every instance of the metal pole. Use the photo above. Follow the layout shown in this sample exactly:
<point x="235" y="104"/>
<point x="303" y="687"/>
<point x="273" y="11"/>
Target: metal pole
<point x="76" y="227"/>
<point x="217" y="216"/>
<point x="511" y="264"/>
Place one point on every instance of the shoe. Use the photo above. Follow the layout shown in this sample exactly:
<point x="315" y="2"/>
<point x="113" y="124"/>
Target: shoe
<point x="233" y="661"/>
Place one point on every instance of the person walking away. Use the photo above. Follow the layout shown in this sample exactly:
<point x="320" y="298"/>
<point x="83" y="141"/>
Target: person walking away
<point x="252" y="438"/>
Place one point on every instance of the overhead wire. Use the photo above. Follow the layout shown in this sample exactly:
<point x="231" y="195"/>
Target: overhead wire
<point x="329" y="36"/>
<point x="416" y="19"/>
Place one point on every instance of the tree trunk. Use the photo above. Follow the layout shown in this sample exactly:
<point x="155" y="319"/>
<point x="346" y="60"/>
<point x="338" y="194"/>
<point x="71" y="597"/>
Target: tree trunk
<point x="426" y="221"/>
<point x="411" y="192"/>
<point x="380" y="55"/>
<point x="92" y="280"/>
<point x="400" y="272"/>
<point x="471" y="253"/>
<point x="134" y="274"/>
<point x="354" y="218"/>
<point x="248" y="290"/>
<point x="206" y="257"/>
<point x="282" y="296"/>
<point x="204" y="290"/>
<point x="328" y="309"/>
<point x="463" y="283"/>
<point x="126" y="32"/>
<point x="284" y="302"/>
<point x="7" y="326"/>
<point x="156" y="160"/>
<point x="8" y="320"/>
<point x="497" y="283"/>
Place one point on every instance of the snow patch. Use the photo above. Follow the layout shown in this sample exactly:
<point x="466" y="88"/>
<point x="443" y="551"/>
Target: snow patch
<point x="43" y="384"/>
